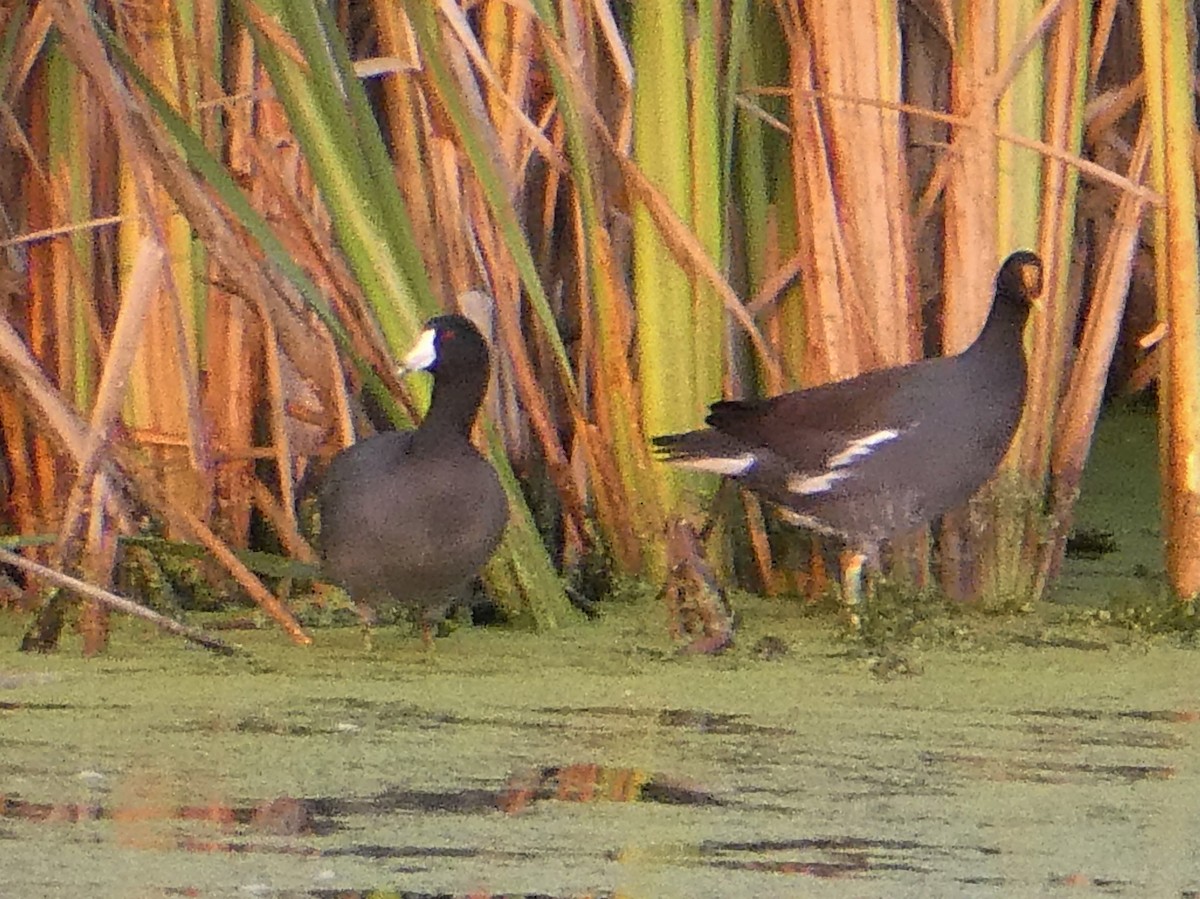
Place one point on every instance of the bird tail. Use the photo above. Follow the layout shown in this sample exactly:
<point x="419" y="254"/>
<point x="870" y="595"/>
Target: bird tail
<point x="705" y="450"/>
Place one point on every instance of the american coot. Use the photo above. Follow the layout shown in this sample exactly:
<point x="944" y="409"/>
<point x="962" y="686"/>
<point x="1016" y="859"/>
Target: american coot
<point x="412" y="516"/>
<point x="881" y="454"/>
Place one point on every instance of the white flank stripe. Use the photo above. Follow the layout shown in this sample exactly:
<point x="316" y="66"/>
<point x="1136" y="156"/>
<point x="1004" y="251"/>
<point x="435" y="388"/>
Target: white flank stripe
<point x="730" y="466"/>
<point x="861" y="446"/>
<point x="814" y="483"/>
<point x="791" y="516"/>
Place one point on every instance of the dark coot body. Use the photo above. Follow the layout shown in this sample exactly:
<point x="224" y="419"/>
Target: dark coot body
<point x="412" y="516"/>
<point x="878" y="455"/>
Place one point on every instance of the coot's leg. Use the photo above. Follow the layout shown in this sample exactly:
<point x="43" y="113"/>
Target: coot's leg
<point x="366" y="616"/>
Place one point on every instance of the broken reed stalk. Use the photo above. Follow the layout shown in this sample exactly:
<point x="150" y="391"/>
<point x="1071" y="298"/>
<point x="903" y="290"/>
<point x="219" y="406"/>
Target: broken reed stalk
<point x="120" y="603"/>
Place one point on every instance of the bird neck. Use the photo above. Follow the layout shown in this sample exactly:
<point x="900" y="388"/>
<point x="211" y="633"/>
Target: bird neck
<point x="1004" y="330"/>
<point x="454" y="405"/>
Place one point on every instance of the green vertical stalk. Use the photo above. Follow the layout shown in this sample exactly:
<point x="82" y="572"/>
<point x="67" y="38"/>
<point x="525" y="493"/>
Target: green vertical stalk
<point x="1018" y="201"/>
<point x="191" y="278"/>
<point x="752" y="171"/>
<point x="663" y="294"/>
<point x="71" y="173"/>
<point x="1018" y="220"/>
<point x="763" y="171"/>
<point x="708" y="192"/>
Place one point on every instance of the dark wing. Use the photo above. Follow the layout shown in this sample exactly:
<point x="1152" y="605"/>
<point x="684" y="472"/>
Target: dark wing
<point x="807" y="427"/>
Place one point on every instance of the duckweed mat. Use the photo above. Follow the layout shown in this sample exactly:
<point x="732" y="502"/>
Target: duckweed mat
<point x="598" y="762"/>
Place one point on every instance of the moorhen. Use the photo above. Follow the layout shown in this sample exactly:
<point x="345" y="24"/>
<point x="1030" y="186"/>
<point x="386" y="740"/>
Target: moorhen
<point x="875" y="456"/>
